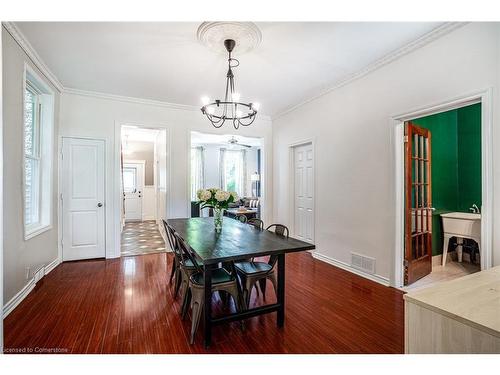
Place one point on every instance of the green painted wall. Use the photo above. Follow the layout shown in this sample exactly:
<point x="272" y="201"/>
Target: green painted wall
<point x="456" y="163"/>
<point x="469" y="157"/>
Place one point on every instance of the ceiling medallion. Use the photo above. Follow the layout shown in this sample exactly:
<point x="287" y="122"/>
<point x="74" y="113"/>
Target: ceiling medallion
<point x="213" y="34"/>
<point x="231" y="108"/>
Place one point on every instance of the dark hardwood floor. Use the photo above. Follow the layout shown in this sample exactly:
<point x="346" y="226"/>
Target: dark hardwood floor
<point x="126" y="306"/>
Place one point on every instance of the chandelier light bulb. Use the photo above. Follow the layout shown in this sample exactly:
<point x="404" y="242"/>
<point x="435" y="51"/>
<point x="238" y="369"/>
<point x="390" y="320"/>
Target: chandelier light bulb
<point x="255" y="106"/>
<point x="210" y="110"/>
<point x="205" y="100"/>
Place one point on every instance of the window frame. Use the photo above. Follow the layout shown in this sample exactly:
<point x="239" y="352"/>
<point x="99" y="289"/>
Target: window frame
<point x="43" y="152"/>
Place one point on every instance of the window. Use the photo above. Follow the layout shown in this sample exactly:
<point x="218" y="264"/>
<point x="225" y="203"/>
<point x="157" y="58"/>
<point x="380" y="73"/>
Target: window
<point x="234" y="171"/>
<point x="129" y="180"/>
<point x="197" y="171"/>
<point x="32" y="111"/>
<point x="37" y="146"/>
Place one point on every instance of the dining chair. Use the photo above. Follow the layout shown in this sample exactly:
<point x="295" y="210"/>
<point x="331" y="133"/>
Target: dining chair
<point x="257" y="223"/>
<point x="241" y="218"/>
<point x="171" y="244"/>
<point x="251" y="272"/>
<point x="183" y="265"/>
<point x="222" y="280"/>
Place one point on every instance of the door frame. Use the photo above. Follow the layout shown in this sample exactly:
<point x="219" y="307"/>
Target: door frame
<point x="397" y="134"/>
<point x="143" y="177"/>
<point x="60" y="222"/>
<point x="116" y="178"/>
<point x="291" y="183"/>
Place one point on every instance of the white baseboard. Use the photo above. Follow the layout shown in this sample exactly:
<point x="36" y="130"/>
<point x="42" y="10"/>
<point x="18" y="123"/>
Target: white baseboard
<point x="377" y="278"/>
<point x="49" y="267"/>
<point x="16" y="300"/>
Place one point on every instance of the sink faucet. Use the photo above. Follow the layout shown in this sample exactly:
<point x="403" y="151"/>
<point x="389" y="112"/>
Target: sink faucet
<point x="475" y="209"/>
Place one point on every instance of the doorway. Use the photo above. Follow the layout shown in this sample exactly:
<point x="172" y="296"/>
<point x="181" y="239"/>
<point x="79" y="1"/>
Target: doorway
<point x="229" y="162"/>
<point x="303" y="192"/>
<point x="83" y="198"/>
<point x="143" y="189"/>
<point x="445" y="178"/>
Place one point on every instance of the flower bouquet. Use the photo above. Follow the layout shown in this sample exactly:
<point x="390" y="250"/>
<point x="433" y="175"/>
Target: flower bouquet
<point x="218" y="200"/>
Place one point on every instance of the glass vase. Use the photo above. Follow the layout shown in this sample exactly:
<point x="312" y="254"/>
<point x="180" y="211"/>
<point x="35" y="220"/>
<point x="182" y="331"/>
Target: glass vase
<point x="218" y="217"/>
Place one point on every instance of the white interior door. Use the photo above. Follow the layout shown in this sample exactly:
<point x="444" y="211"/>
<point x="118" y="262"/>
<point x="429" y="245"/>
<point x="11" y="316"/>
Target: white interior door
<point x="133" y="190"/>
<point x="83" y="192"/>
<point x="304" y="192"/>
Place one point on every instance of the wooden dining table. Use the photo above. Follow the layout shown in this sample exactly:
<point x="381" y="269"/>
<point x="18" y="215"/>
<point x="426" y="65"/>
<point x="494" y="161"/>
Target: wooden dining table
<point x="235" y="242"/>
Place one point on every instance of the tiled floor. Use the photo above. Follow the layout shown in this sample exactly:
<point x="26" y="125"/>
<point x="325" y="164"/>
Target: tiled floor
<point x="141" y="237"/>
<point x="452" y="270"/>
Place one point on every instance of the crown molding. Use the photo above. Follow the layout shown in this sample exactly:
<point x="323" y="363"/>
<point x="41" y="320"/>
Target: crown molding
<point x="129" y="99"/>
<point x="21" y="40"/>
<point x="420" y="42"/>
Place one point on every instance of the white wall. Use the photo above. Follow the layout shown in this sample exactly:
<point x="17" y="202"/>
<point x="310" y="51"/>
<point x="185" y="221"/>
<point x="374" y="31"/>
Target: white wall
<point x="143" y="151"/>
<point x="41" y="249"/>
<point x="89" y="116"/>
<point x="161" y="180"/>
<point x="354" y="145"/>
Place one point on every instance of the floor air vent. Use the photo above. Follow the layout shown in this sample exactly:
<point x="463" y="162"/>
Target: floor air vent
<point x="363" y="263"/>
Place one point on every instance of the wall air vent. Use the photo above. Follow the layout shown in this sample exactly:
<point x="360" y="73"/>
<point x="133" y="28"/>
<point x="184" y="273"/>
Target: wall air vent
<point x="363" y="263"/>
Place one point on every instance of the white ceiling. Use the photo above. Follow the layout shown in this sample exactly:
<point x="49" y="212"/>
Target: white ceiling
<point x="222" y="139"/>
<point x="165" y="61"/>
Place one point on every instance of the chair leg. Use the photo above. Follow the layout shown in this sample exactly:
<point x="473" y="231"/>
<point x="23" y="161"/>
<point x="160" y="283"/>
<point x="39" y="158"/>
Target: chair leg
<point x="185" y="303"/>
<point x="236" y="298"/>
<point x="247" y="291"/>
<point x="262" y="283"/>
<point x="223" y="297"/>
<point x="183" y="284"/>
<point x="272" y="277"/>
<point x="196" y="310"/>
<point x="174" y="269"/>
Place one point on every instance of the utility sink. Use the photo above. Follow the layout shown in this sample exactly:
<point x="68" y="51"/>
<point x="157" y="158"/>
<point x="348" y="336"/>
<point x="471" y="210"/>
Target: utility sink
<point x="460" y="225"/>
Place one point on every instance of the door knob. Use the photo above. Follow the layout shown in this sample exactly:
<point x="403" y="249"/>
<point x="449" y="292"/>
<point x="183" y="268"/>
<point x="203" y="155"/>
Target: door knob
<point x="99" y="204"/>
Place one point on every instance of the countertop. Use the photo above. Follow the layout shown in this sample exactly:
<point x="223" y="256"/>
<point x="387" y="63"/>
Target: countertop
<point x="473" y="299"/>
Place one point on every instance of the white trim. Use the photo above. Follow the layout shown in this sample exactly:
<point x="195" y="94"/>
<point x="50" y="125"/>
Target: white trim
<point x="291" y="182"/>
<point x="23" y="293"/>
<point x="21" y="40"/>
<point x="16" y="300"/>
<point x="49" y="267"/>
<point x="1" y="195"/>
<point x="135" y="100"/>
<point x="46" y="125"/>
<point x="33" y="232"/>
<point x="429" y="37"/>
<point x="115" y="177"/>
<point x="397" y="121"/>
<point x="377" y="278"/>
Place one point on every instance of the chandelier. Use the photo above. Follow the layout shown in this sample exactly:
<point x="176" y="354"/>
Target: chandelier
<point x="231" y="109"/>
